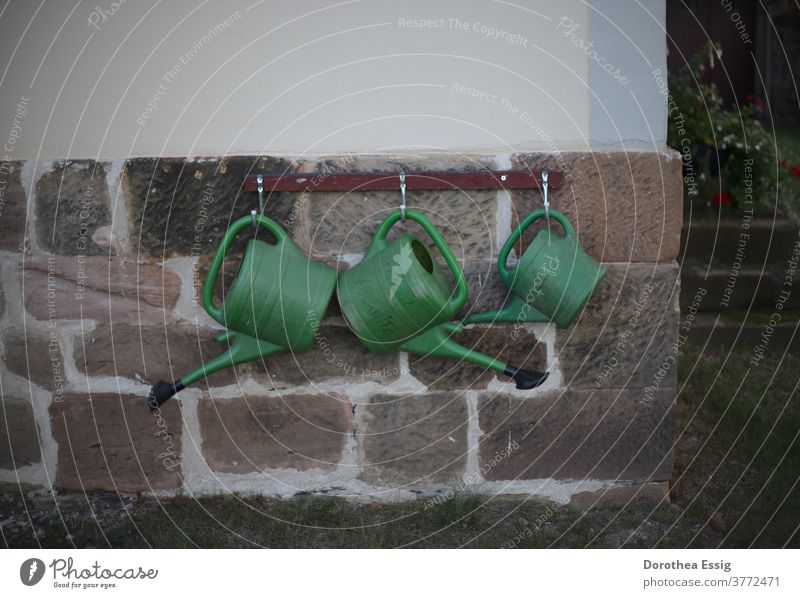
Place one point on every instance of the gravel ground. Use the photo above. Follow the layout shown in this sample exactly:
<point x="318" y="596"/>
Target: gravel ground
<point x="37" y="517"/>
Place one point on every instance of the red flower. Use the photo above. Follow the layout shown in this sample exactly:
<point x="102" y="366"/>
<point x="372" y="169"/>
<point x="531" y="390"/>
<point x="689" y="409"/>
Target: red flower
<point x="721" y="199"/>
<point x="752" y="99"/>
<point x="795" y="170"/>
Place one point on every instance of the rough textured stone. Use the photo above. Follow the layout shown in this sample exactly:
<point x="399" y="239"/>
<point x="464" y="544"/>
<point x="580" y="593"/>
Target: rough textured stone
<point x="72" y="202"/>
<point x="113" y="442"/>
<point x="524" y="351"/>
<point x="337" y="224"/>
<point x="255" y="433"/>
<point x="439" y="162"/>
<point x="19" y="434"/>
<point x="98" y="288"/>
<point x="625" y="333"/>
<point x="13" y="207"/>
<point x="227" y="272"/>
<point x="466" y="218"/>
<point x="415" y="440"/>
<point x="336" y="354"/>
<point x="180" y="207"/>
<point x="624" y="206"/>
<point x="653" y="494"/>
<point x="149" y="353"/>
<point x="580" y="434"/>
<point x="486" y="290"/>
<point x="34" y="355"/>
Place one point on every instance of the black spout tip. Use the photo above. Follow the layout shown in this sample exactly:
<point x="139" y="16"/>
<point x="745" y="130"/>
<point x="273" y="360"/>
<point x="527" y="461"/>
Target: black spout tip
<point x="161" y="392"/>
<point x="526" y="379"/>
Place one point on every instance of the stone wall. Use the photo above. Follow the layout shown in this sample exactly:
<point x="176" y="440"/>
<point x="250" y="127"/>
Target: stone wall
<point x="101" y="267"/>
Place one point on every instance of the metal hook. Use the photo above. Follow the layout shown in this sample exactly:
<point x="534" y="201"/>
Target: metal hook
<point x="403" y="196"/>
<point x="544" y="190"/>
<point x="260" y="181"/>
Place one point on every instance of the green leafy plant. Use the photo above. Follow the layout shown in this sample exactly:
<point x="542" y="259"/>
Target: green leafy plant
<point x="735" y="160"/>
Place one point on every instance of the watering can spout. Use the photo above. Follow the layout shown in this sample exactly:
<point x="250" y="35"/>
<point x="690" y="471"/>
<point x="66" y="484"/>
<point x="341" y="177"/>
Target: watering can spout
<point x="516" y="310"/>
<point x="526" y="379"/>
<point x="273" y="305"/>
<point x="242" y="348"/>
<point x="161" y="392"/>
<point x="438" y="342"/>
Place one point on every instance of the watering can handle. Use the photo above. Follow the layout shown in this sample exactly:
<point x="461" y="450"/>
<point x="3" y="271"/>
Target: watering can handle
<point x="458" y="299"/>
<point x="211" y="279"/>
<point x="502" y="258"/>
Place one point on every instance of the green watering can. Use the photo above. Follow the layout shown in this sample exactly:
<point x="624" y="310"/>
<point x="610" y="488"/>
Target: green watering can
<point x="275" y="303"/>
<point x="398" y="299"/>
<point x="551" y="282"/>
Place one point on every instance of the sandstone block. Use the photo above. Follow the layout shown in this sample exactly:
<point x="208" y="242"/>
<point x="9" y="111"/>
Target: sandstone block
<point x="254" y="433"/>
<point x="35" y="355"/>
<point x="98" y="288"/>
<point x="179" y="207"/>
<point x="149" y="353"/>
<point x="580" y="434"/>
<point x="19" y="434"/>
<point x="413" y="440"/>
<point x="627" y="332"/>
<point x="336" y="354"/>
<point x="624" y="206"/>
<point x="72" y="203"/>
<point x="653" y="494"/>
<point x="14" y="207"/>
<point x="112" y="442"/>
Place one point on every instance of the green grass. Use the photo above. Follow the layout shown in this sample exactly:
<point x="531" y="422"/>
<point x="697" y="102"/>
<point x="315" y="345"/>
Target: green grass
<point x="747" y="420"/>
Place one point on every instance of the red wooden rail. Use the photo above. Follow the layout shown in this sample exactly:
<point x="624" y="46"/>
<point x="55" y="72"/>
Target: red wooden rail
<point x="388" y="181"/>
